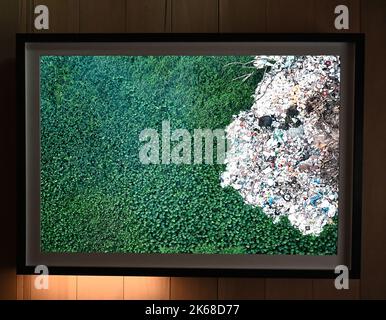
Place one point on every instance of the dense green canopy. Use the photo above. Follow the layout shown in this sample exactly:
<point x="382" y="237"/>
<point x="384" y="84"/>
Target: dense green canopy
<point x="96" y="196"/>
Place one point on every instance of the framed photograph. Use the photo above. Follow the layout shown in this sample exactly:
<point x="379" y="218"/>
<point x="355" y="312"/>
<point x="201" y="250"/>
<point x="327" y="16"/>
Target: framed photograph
<point x="190" y="155"/>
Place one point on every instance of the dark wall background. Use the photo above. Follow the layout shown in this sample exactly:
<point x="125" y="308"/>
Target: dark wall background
<point x="8" y="27"/>
<point x="367" y="16"/>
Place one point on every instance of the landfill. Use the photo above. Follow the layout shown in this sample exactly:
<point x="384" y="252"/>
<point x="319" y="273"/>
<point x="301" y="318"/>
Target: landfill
<point x="283" y="153"/>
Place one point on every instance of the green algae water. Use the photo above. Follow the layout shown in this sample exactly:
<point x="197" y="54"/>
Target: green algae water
<point x="96" y="195"/>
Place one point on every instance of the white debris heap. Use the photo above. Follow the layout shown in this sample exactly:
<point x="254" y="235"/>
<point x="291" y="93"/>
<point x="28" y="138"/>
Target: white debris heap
<point x="283" y="153"/>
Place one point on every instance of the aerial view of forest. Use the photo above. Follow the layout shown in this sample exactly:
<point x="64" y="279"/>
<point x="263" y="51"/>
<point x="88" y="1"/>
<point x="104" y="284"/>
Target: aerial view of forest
<point x="97" y="195"/>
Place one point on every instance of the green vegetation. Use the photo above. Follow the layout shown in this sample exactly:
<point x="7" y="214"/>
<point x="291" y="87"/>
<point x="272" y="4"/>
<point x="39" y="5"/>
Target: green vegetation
<point x="95" y="194"/>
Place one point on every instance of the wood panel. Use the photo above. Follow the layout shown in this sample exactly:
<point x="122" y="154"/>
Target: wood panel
<point x="288" y="289"/>
<point x="63" y="15"/>
<point x="242" y="16"/>
<point x="101" y="16"/>
<point x="195" y="16"/>
<point x="241" y="288"/>
<point x="324" y="289"/>
<point x="25" y="16"/>
<point x="290" y="16"/>
<point x="92" y="288"/>
<point x="373" y="281"/>
<point x="23" y="287"/>
<point x="59" y="288"/>
<point x="147" y="288"/>
<point x="193" y="288"/>
<point x="324" y="16"/>
<point x="100" y="288"/>
<point x="148" y="16"/>
<point x="8" y="27"/>
<point x="238" y="16"/>
<point x="19" y="287"/>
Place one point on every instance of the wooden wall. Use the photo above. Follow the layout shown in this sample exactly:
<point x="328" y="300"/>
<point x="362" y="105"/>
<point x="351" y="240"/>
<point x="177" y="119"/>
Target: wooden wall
<point x="8" y="27"/>
<point x="239" y="16"/>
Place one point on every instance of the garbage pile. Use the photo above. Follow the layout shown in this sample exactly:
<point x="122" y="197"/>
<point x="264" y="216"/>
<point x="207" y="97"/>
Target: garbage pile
<point x="283" y="153"/>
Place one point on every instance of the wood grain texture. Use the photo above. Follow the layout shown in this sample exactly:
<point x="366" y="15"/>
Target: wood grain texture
<point x="241" y="288"/>
<point x="63" y="17"/>
<point x="373" y="281"/>
<point x="25" y="16"/>
<point x="59" y="288"/>
<point x="19" y="287"/>
<point x="8" y="27"/>
<point x="146" y="288"/>
<point x="324" y="289"/>
<point x="195" y="16"/>
<point x="193" y="288"/>
<point x="100" y="288"/>
<point x="22" y="17"/>
<point x="26" y="287"/>
<point x="288" y="289"/>
<point x="282" y="16"/>
<point x="290" y="16"/>
<point x="325" y="17"/>
<point x="148" y="16"/>
<point x="101" y="16"/>
<point x="242" y="16"/>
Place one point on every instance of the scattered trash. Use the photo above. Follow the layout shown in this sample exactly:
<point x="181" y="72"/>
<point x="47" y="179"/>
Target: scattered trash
<point x="283" y="153"/>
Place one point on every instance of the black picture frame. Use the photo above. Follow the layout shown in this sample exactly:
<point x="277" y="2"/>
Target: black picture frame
<point x="356" y="39"/>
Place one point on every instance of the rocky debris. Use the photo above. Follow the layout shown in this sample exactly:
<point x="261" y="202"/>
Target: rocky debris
<point x="283" y="153"/>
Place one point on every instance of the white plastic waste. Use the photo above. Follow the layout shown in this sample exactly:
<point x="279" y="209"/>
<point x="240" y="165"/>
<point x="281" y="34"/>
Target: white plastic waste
<point x="283" y="153"/>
